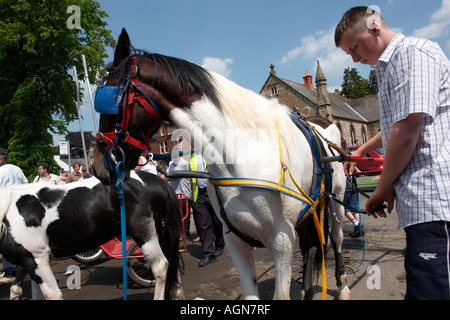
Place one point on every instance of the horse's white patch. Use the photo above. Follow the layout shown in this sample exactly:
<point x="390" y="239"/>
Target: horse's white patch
<point x="34" y="239"/>
<point x="135" y="176"/>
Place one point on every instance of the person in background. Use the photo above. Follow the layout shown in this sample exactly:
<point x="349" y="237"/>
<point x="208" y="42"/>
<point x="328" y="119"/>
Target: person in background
<point x="75" y="175"/>
<point x="208" y="225"/>
<point x="180" y="185"/>
<point x="9" y="175"/>
<point x="45" y="175"/>
<point x="145" y="163"/>
<point x="63" y="177"/>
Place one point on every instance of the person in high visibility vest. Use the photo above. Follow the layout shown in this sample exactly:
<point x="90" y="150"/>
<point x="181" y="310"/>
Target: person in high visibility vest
<point x="208" y="225"/>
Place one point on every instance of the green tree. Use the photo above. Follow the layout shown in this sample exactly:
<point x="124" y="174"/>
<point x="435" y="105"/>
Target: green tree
<point x="40" y="41"/>
<point x="354" y="86"/>
<point x="373" y="84"/>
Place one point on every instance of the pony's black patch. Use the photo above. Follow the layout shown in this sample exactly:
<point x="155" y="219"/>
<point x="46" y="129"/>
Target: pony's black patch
<point x="31" y="209"/>
<point x="49" y="197"/>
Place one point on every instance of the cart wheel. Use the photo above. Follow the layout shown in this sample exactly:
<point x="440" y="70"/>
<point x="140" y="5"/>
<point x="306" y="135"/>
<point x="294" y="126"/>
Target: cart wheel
<point x="137" y="269"/>
<point x="88" y="256"/>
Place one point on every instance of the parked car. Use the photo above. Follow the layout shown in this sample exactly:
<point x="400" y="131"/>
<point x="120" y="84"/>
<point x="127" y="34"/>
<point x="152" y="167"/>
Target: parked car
<point x="368" y="166"/>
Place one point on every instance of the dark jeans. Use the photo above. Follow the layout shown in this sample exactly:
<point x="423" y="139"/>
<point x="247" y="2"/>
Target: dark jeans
<point x="9" y="269"/>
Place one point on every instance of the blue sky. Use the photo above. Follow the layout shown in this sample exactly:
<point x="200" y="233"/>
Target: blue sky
<point x="240" y="39"/>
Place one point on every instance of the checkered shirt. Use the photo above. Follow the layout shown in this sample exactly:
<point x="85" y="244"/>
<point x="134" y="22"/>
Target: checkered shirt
<point x="413" y="77"/>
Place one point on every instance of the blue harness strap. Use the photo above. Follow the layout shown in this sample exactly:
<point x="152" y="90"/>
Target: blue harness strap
<point x="120" y="172"/>
<point x="321" y="169"/>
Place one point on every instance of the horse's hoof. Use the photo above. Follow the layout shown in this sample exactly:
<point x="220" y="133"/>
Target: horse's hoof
<point x="345" y="295"/>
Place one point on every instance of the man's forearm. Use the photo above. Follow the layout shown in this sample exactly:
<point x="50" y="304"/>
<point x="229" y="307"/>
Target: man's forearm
<point x="400" y="147"/>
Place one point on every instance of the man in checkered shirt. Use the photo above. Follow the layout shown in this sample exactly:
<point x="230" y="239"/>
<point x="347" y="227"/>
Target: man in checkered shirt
<point x="414" y="96"/>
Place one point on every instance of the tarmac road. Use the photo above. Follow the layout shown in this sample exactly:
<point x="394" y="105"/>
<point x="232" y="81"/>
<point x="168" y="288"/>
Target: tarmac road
<point x="380" y="276"/>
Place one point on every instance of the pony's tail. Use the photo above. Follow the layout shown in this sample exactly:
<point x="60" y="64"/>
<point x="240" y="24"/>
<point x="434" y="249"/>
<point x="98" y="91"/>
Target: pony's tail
<point x="170" y="240"/>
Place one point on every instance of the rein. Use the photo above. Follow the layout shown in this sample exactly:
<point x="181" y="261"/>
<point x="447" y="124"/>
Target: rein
<point x="120" y="172"/>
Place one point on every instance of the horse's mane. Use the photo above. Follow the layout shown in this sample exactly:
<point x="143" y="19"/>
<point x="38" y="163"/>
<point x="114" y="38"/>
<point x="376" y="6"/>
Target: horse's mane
<point x="182" y="73"/>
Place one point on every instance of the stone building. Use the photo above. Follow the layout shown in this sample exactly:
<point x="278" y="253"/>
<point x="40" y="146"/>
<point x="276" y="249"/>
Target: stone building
<point x="358" y="119"/>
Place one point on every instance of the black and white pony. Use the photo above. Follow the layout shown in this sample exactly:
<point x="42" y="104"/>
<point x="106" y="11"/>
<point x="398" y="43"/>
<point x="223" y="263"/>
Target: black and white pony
<point x="42" y="221"/>
<point x="240" y="134"/>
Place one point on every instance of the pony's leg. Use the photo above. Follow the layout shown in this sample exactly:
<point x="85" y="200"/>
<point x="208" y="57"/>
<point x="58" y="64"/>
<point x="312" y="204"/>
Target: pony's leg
<point x="158" y="264"/>
<point x="15" y="292"/>
<point x="337" y="237"/>
<point x="281" y="247"/>
<point x="242" y="255"/>
<point x="46" y="280"/>
<point x="177" y="292"/>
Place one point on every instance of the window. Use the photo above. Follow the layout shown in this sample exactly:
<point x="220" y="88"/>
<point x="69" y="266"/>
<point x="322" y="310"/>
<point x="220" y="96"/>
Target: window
<point x="163" y="146"/>
<point x="273" y="91"/>
<point x="352" y="134"/>
<point x="364" y="134"/>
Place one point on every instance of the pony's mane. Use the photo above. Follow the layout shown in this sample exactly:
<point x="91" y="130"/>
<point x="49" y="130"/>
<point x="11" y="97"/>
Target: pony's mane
<point x="182" y="73"/>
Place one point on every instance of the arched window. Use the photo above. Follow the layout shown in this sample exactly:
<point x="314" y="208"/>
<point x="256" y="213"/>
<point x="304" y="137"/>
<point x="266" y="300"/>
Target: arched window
<point x="352" y="134"/>
<point x="363" y="134"/>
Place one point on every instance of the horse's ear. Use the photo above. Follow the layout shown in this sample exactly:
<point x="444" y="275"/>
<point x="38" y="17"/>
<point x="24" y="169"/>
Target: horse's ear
<point x="123" y="47"/>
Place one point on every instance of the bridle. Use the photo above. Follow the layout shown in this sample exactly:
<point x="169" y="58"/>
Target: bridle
<point x="109" y="100"/>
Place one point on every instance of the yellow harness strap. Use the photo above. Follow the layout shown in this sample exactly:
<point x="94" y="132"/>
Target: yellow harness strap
<point x="320" y="200"/>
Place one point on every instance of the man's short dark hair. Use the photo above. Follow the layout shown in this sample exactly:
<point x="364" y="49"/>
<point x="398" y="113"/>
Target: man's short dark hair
<point x="44" y="165"/>
<point x="350" y="19"/>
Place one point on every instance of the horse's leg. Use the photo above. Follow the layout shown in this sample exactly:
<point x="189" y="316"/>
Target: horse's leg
<point x="158" y="264"/>
<point x="242" y="255"/>
<point x="177" y="292"/>
<point x="308" y="269"/>
<point x="15" y="292"/>
<point x="46" y="280"/>
<point x="281" y="247"/>
<point x="337" y="237"/>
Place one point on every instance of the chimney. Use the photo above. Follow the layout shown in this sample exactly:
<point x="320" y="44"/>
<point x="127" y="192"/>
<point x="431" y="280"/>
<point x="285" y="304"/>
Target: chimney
<point x="307" y="80"/>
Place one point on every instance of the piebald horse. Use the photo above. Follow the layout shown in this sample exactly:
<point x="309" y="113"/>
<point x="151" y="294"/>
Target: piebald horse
<point x="41" y="221"/>
<point x="240" y="135"/>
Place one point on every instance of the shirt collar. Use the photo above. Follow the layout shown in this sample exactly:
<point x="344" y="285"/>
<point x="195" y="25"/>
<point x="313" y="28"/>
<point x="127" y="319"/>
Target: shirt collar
<point x="390" y="49"/>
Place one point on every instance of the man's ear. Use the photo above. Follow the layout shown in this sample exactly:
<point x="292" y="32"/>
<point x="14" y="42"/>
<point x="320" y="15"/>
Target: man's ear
<point x="373" y="26"/>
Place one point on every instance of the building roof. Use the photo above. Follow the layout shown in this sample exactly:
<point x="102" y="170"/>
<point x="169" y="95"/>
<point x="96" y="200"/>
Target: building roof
<point x="339" y="105"/>
<point x="368" y="106"/>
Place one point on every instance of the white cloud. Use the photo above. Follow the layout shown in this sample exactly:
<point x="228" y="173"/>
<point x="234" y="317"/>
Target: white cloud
<point x="439" y="23"/>
<point x="311" y="45"/>
<point x="320" y="46"/>
<point x="218" y="65"/>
